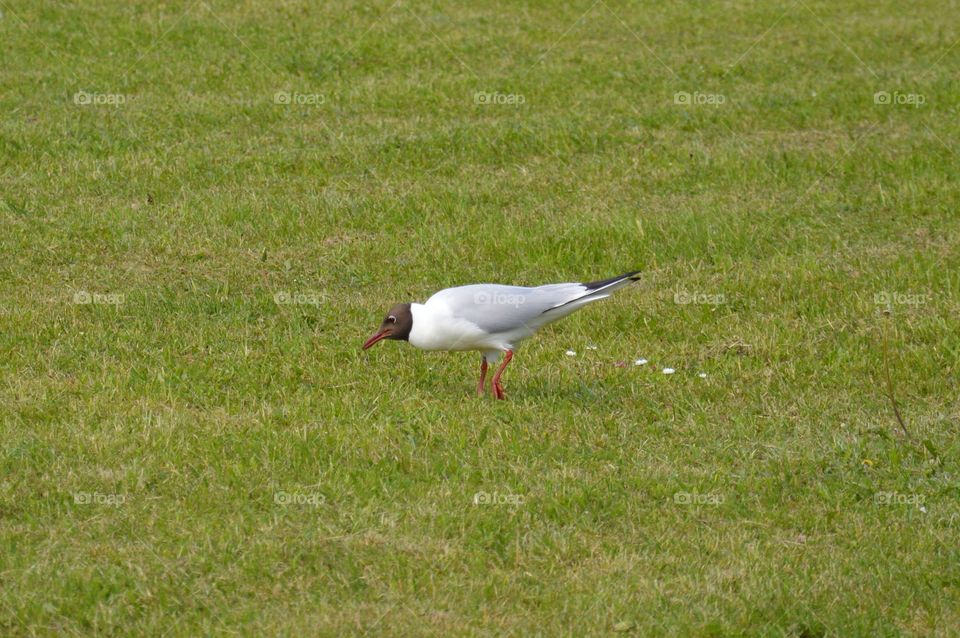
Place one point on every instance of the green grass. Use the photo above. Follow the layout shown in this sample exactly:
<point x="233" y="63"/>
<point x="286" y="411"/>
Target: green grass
<point x="185" y="402"/>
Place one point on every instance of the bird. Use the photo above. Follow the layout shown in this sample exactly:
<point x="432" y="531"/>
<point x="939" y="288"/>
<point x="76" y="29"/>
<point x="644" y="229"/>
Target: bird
<point x="490" y="318"/>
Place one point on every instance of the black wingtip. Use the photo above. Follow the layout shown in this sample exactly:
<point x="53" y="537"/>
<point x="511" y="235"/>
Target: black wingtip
<point x="593" y="285"/>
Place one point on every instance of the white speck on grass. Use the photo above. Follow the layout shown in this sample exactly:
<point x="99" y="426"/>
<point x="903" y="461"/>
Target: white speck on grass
<point x="640" y="362"/>
<point x="571" y="353"/>
<point x="591" y="347"/>
<point x="702" y="375"/>
<point x="668" y="370"/>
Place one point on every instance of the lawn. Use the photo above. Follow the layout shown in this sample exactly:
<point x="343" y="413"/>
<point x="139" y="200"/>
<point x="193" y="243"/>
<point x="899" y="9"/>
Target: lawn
<point x="206" y="207"/>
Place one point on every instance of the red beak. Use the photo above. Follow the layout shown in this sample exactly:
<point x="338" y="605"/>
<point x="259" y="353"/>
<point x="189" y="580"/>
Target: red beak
<point x="375" y="338"/>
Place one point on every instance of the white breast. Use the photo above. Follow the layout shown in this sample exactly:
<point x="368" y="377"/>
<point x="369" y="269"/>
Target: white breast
<point x="434" y="328"/>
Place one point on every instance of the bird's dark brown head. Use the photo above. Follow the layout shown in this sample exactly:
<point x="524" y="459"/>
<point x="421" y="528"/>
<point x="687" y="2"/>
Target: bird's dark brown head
<point x="396" y="325"/>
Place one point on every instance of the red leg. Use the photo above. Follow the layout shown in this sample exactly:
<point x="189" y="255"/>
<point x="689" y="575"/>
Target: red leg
<point x="497" y="387"/>
<point x="483" y="376"/>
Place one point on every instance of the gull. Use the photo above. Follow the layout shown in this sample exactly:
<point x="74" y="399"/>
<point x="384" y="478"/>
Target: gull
<point x="490" y="318"/>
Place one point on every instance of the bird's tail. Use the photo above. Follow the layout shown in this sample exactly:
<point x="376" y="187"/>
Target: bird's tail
<point x="596" y="290"/>
<point x="607" y="286"/>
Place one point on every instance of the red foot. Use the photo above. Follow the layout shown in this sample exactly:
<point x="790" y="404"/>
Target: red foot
<point x="497" y="386"/>
<point x="483" y="376"/>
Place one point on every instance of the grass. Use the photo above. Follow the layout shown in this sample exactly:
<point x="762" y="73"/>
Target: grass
<point x="192" y="442"/>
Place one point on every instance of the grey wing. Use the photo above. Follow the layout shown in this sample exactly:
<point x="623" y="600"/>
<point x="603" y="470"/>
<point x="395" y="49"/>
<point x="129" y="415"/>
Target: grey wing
<point x="495" y="308"/>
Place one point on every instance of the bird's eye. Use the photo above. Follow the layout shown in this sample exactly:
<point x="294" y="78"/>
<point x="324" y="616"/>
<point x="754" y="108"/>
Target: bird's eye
<point x="392" y="319"/>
